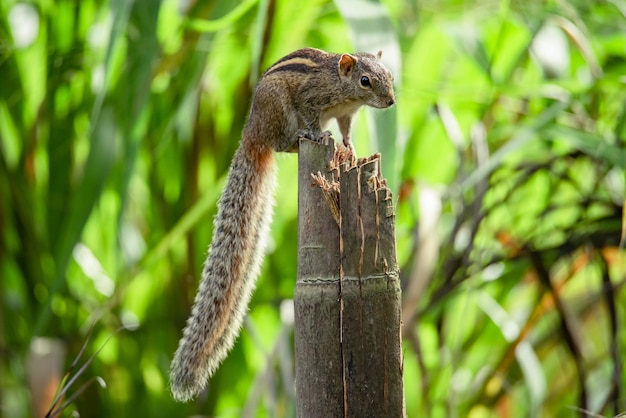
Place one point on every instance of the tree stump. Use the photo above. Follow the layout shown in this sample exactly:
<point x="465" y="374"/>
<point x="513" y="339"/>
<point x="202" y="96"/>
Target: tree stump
<point x="347" y="298"/>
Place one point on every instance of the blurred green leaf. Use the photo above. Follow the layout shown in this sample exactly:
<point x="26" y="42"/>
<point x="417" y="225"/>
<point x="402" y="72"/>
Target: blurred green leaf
<point x="223" y="22"/>
<point x="524" y="135"/>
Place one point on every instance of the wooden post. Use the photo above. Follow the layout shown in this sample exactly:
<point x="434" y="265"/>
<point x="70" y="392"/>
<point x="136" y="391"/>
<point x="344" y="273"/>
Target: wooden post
<point x="347" y="296"/>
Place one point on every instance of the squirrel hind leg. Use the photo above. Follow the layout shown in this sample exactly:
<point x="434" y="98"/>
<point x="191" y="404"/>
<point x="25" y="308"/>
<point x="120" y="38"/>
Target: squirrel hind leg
<point x="323" y="138"/>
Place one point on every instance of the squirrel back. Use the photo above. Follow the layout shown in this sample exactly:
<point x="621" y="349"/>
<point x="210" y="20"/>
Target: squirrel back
<point x="295" y="97"/>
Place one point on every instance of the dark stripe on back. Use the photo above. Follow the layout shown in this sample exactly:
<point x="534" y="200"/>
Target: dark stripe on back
<point x="295" y="68"/>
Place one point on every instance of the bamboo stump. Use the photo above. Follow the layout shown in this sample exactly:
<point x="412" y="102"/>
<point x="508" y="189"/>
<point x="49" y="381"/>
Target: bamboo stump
<point x="347" y="295"/>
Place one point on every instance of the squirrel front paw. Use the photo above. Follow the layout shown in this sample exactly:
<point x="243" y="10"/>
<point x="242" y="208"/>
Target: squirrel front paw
<point x="351" y="151"/>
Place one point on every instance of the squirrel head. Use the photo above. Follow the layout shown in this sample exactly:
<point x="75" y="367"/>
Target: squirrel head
<point x="371" y="80"/>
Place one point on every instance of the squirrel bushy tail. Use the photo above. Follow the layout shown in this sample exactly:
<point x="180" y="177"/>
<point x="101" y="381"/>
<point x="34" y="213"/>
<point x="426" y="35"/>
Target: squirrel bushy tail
<point x="230" y="271"/>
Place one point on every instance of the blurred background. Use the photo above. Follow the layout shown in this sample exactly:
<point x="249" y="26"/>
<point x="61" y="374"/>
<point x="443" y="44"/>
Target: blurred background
<point x="505" y="151"/>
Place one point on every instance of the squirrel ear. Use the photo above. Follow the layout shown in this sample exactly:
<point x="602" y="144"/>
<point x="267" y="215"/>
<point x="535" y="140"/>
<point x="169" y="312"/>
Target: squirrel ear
<point x="380" y="54"/>
<point x="347" y="63"/>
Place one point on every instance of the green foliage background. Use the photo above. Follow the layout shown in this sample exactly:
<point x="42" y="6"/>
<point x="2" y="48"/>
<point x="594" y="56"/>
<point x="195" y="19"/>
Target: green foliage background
<point x="506" y="152"/>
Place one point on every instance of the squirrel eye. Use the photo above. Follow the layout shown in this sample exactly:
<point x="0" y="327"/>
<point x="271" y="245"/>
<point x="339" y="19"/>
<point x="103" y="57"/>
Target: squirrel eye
<point x="365" y="81"/>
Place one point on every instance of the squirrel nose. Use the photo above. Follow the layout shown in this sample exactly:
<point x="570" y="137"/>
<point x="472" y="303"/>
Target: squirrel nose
<point x="390" y="102"/>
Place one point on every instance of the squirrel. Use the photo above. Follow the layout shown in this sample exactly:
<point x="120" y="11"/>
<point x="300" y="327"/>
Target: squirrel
<point x="295" y="97"/>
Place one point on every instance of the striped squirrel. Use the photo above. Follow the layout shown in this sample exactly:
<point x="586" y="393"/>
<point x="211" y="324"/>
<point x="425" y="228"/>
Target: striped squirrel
<point x="296" y="97"/>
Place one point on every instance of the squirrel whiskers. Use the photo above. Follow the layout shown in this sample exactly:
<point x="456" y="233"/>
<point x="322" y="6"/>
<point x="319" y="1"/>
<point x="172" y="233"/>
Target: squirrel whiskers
<point x="295" y="97"/>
